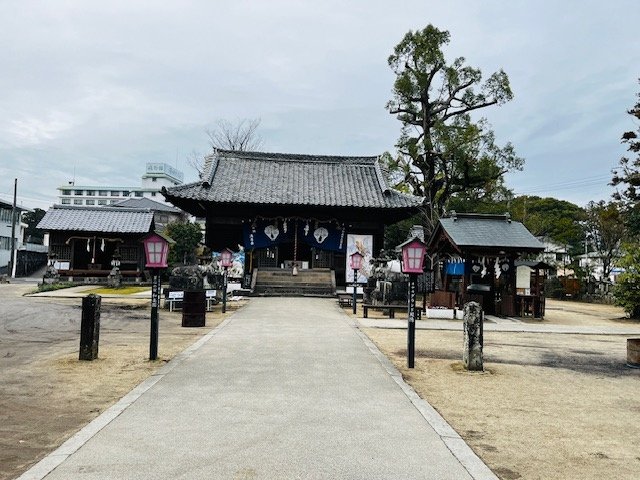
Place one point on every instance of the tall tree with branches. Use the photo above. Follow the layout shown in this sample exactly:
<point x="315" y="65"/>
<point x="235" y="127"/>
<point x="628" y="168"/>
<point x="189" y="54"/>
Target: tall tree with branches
<point x="442" y="152"/>
<point x="241" y="136"/>
<point x="627" y="175"/>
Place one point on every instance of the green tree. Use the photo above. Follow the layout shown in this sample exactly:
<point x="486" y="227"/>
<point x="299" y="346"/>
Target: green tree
<point x="627" y="288"/>
<point x="187" y="237"/>
<point x="627" y="174"/>
<point x="559" y="220"/>
<point x="442" y="151"/>
<point x="32" y="218"/>
<point x="605" y="230"/>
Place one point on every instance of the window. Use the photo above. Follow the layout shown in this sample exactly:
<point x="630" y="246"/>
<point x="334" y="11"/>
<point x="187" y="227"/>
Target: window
<point x="154" y="179"/>
<point x="138" y="194"/>
<point x="66" y="192"/>
<point x="559" y="257"/>
<point x="102" y="202"/>
<point x="102" y="193"/>
<point x="77" y="201"/>
<point x="91" y="193"/>
<point x="66" y="201"/>
<point x="115" y="193"/>
<point x="153" y="194"/>
<point x="5" y="243"/>
<point x="5" y="215"/>
<point x="111" y="202"/>
<point x="90" y="201"/>
<point x="77" y="192"/>
<point x="125" y="193"/>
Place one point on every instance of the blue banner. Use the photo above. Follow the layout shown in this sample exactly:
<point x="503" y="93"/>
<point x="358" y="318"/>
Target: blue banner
<point x="263" y="233"/>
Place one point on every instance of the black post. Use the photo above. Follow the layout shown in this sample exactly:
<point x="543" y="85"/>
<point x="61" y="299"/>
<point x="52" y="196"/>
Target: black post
<point x="411" y="327"/>
<point x="224" y="291"/>
<point x="155" y="300"/>
<point x="355" y="289"/>
<point x="14" y="214"/>
<point x="90" y="327"/>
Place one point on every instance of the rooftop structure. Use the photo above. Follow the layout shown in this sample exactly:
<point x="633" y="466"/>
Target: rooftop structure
<point x="156" y="177"/>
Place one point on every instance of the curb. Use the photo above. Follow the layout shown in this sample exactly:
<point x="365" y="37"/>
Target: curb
<point x="49" y="463"/>
<point x="476" y="468"/>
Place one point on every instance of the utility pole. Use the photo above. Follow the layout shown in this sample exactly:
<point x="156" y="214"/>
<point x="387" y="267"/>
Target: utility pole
<point x="12" y="266"/>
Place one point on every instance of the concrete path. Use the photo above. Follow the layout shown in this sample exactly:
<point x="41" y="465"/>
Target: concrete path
<point x="284" y="389"/>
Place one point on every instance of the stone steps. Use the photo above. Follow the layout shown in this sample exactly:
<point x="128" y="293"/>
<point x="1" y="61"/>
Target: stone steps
<point x="278" y="282"/>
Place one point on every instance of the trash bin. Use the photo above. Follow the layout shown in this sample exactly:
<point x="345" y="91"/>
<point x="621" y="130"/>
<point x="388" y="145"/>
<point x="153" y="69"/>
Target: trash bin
<point x="194" y="308"/>
<point x="633" y="352"/>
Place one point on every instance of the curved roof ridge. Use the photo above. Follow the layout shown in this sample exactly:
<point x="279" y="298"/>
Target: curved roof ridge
<point x="298" y="157"/>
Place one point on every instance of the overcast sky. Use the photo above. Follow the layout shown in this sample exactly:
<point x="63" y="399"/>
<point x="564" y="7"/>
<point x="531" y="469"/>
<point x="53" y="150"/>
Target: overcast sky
<point x="101" y="88"/>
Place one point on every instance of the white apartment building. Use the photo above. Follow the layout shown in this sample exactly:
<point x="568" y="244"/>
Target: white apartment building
<point x="156" y="176"/>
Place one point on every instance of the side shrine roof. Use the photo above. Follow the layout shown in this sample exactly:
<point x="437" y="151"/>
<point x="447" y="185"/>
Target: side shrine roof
<point x="147" y="204"/>
<point x="293" y="179"/>
<point x="470" y="230"/>
<point x="97" y="219"/>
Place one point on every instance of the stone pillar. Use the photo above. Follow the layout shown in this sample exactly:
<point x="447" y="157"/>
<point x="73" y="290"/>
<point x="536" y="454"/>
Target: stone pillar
<point x="472" y="354"/>
<point x="90" y="327"/>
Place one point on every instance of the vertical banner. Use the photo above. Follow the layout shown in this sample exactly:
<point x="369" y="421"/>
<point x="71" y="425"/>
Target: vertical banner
<point x="364" y="245"/>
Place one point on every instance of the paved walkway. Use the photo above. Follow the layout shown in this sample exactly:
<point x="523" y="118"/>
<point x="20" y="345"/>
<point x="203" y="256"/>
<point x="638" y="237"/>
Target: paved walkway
<point x="284" y="389"/>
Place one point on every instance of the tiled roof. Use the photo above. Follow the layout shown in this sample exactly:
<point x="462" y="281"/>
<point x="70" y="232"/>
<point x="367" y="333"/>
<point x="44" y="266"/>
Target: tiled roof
<point x="97" y="219"/>
<point x="146" y="204"/>
<point x="494" y="231"/>
<point x="291" y="179"/>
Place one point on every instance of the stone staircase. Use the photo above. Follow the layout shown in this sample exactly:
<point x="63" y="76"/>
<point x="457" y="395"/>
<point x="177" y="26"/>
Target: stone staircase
<point x="281" y="283"/>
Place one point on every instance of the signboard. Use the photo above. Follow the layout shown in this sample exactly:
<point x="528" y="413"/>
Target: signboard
<point x="364" y="245"/>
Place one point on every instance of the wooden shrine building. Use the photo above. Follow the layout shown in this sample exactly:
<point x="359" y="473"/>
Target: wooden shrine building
<point x="83" y="240"/>
<point x="475" y="261"/>
<point x="287" y="209"/>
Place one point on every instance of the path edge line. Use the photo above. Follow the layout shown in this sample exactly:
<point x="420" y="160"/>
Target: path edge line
<point x="54" y="459"/>
<point x="473" y="464"/>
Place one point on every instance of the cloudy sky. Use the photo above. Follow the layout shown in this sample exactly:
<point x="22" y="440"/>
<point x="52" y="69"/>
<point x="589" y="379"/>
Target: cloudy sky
<point x="97" y="89"/>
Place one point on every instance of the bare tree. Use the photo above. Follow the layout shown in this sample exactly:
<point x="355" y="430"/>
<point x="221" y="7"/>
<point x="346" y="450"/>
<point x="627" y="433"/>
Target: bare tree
<point x="241" y="136"/>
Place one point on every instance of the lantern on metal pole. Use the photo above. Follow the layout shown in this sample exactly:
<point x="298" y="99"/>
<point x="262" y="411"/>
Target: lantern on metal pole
<point x="412" y="263"/>
<point x="356" y="264"/>
<point x="156" y="250"/>
<point x="226" y="260"/>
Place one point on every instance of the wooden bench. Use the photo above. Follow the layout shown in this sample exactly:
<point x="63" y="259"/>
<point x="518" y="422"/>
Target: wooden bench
<point x="392" y="310"/>
<point x="95" y="273"/>
<point x="174" y="297"/>
<point x="345" y="299"/>
<point x="177" y="297"/>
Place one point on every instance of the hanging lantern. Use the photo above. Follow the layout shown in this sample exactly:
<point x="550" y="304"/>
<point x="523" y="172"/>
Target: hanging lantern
<point x="156" y="250"/>
<point x="356" y="261"/>
<point x="413" y="255"/>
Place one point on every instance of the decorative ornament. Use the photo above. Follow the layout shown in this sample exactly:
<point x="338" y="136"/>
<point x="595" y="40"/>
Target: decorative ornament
<point x="102" y="245"/>
<point x="505" y="266"/>
<point x="496" y="268"/>
<point x="284" y="225"/>
<point x="88" y="246"/>
<point x="320" y="234"/>
<point x="476" y="267"/>
<point x="484" y="267"/>
<point x="306" y="229"/>
<point x="341" y="237"/>
<point x="251" y="239"/>
<point x="272" y="232"/>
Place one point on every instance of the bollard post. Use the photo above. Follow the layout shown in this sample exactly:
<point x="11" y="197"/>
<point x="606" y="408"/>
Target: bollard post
<point x="90" y="327"/>
<point x="473" y="336"/>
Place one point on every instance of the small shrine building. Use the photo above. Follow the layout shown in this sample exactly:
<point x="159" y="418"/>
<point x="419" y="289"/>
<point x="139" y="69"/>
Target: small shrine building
<point x="475" y="260"/>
